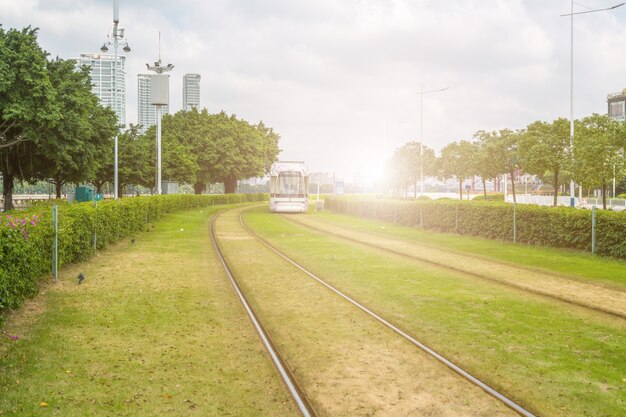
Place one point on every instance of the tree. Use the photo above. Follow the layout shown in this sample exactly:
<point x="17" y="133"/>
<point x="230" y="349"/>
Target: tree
<point x="410" y="162"/>
<point x="456" y="161"/>
<point x="599" y="152"/>
<point x="504" y="148"/>
<point x="72" y="145"/>
<point x="28" y="105"/>
<point x="545" y="148"/>
<point x="483" y="163"/>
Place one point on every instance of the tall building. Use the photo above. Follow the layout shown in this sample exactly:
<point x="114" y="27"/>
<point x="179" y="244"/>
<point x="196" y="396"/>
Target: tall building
<point x="191" y="91"/>
<point x="104" y="71"/>
<point x="146" y="112"/>
<point x="617" y="105"/>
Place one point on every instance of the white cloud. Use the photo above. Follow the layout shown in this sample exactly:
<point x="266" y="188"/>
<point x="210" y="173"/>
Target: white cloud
<point x="337" y="79"/>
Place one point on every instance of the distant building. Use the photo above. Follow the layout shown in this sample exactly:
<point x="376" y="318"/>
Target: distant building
<point x="617" y="105"/>
<point x="104" y="71"/>
<point x="191" y="91"/>
<point x="146" y="112"/>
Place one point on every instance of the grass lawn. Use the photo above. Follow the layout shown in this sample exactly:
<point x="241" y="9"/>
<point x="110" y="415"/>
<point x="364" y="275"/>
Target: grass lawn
<point x="570" y="263"/>
<point x="155" y="330"/>
<point x="555" y="359"/>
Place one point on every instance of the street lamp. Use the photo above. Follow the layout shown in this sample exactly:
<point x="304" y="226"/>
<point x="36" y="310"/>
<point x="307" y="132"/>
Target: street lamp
<point x="421" y="94"/>
<point x="115" y="39"/>
<point x="159" y="91"/>
<point x="571" y="125"/>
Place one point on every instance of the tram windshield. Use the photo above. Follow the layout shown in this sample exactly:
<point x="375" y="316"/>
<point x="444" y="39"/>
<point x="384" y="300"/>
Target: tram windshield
<point x="289" y="184"/>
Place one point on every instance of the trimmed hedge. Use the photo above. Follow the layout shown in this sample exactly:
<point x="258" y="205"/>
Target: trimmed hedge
<point x="559" y="227"/>
<point x="26" y="237"/>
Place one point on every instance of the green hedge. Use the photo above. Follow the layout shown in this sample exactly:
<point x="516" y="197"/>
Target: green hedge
<point x="26" y="237"/>
<point x="559" y="227"/>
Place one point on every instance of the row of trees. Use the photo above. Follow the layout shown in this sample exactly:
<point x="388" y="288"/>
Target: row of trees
<point x="541" y="149"/>
<point x="199" y="148"/>
<point x="53" y="128"/>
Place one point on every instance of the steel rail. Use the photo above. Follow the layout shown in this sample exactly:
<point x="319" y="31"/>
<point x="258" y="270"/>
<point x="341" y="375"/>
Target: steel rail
<point x="457" y="369"/>
<point x="597" y="309"/>
<point x="286" y="375"/>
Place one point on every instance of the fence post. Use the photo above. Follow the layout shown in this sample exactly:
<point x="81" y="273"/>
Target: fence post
<point x="55" y="242"/>
<point x="456" y="219"/>
<point x="593" y="229"/>
<point x="514" y="224"/>
<point x="95" y="226"/>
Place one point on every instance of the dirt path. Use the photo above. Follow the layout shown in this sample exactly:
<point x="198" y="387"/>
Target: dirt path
<point x="597" y="297"/>
<point x="347" y="363"/>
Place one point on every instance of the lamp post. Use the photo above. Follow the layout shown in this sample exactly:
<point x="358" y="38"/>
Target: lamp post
<point x="159" y="97"/>
<point x="571" y="124"/>
<point x="421" y="94"/>
<point x="115" y="40"/>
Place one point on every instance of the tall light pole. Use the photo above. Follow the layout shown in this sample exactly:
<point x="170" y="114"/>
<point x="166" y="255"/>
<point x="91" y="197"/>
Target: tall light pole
<point x="571" y="99"/>
<point x="421" y="94"/>
<point x="159" y="91"/>
<point x="115" y="40"/>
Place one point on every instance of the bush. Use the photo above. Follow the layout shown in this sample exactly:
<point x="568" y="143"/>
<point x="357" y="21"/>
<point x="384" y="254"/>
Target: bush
<point x="490" y="197"/>
<point x="560" y="227"/>
<point x="26" y="237"/>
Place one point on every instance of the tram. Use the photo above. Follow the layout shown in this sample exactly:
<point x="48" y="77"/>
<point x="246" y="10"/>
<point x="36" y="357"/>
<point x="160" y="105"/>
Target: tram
<point x="289" y="187"/>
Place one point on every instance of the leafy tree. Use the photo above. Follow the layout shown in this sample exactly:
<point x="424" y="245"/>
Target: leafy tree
<point x="545" y="148"/>
<point x="456" y="161"/>
<point x="409" y="163"/>
<point x="72" y="145"/>
<point x="504" y="148"/>
<point x="483" y="163"/>
<point x="599" y="152"/>
<point x="28" y="105"/>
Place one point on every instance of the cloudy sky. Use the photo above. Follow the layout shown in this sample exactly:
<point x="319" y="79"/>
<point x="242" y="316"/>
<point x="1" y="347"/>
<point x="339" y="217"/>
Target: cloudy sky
<point x="338" y="78"/>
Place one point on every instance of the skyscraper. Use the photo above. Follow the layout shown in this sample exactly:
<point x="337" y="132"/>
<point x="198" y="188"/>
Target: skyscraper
<point x="191" y="91"/>
<point x="146" y="112"/>
<point x="104" y="72"/>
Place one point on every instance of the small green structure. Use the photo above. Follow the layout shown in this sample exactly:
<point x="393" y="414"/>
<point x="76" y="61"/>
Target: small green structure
<point x="83" y="194"/>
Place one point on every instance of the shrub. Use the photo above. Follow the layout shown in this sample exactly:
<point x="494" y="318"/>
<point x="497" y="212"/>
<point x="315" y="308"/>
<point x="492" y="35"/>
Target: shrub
<point x="26" y="237"/>
<point x="560" y="227"/>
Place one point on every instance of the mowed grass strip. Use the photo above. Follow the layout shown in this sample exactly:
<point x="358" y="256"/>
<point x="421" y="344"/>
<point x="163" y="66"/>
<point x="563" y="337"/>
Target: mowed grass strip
<point x="568" y="263"/>
<point x="554" y="358"/>
<point x="155" y="330"/>
<point x="347" y="363"/>
<point x="578" y="291"/>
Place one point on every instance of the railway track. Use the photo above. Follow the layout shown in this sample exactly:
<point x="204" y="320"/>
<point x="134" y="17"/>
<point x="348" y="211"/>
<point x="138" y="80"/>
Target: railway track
<point x="295" y="390"/>
<point x="303" y="403"/>
<point x="597" y="308"/>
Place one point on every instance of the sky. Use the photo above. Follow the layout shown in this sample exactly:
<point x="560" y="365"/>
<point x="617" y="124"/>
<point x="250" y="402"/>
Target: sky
<point x="338" y="79"/>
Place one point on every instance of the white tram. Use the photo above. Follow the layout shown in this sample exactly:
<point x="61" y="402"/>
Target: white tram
<point x="289" y="187"/>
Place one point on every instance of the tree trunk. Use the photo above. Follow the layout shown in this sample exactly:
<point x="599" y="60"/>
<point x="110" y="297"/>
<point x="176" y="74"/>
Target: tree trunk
<point x="555" y="186"/>
<point x="57" y="186"/>
<point x="230" y="185"/>
<point x="120" y="190"/>
<point x="7" y="183"/>
<point x="484" y="187"/>
<point x="415" y="191"/>
<point x="461" y="190"/>
<point x="513" y="186"/>
<point x="199" y="187"/>
<point x="604" y="194"/>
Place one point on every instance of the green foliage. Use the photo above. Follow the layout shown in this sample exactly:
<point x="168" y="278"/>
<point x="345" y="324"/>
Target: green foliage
<point x="26" y="237"/>
<point x="457" y="161"/>
<point x="408" y="162"/>
<point x="559" y="227"/>
<point x="490" y="197"/>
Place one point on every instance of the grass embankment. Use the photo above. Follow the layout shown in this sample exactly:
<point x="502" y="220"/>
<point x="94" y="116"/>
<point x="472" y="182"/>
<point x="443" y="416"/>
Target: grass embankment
<point x="347" y="363"/>
<point x="554" y="358"/>
<point x="155" y="329"/>
<point x="608" y="299"/>
<point x="568" y="263"/>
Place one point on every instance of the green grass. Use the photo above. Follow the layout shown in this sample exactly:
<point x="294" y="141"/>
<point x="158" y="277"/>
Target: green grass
<point x="569" y="263"/>
<point x="155" y="330"/>
<point x="556" y="359"/>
